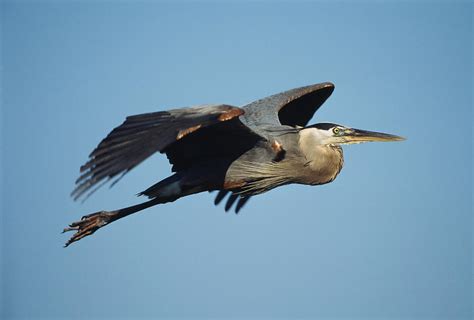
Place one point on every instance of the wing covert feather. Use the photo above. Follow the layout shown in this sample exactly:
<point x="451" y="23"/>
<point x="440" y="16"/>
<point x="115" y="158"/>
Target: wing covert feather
<point x="294" y="107"/>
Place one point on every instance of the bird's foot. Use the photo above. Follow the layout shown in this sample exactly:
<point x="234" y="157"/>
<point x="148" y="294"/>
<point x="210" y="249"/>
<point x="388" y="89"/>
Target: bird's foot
<point x="88" y="225"/>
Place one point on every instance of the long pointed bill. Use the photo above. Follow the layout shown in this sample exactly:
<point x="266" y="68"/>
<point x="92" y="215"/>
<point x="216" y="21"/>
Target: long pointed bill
<point x="358" y="136"/>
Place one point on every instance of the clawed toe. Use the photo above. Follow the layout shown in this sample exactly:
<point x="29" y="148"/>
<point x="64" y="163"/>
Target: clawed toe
<point x="70" y="228"/>
<point x="87" y="225"/>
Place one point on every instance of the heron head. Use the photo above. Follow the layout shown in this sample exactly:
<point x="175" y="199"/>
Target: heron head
<point x="336" y="134"/>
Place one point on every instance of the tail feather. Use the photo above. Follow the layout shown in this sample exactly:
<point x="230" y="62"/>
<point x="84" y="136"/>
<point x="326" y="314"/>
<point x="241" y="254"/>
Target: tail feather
<point x="166" y="188"/>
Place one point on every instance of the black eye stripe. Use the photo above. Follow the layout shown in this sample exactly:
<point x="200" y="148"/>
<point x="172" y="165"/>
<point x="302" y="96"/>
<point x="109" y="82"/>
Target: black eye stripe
<point x="323" y="126"/>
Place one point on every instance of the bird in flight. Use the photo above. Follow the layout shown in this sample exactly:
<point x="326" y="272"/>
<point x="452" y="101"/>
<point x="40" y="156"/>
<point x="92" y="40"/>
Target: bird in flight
<point x="238" y="151"/>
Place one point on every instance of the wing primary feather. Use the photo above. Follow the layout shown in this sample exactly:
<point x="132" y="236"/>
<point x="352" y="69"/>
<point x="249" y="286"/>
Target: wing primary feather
<point x="101" y="151"/>
<point x="221" y="195"/>
<point x="77" y="195"/>
<point x="97" y="177"/>
<point x="230" y="201"/>
<point x="98" y="170"/>
<point x="92" y="191"/>
<point x="241" y="203"/>
<point x="150" y="115"/>
<point x="120" y="178"/>
<point x="117" y="155"/>
<point x="121" y="138"/>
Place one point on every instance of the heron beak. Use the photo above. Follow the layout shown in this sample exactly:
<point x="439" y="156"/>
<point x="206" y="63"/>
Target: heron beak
<point x="359" y="136"/>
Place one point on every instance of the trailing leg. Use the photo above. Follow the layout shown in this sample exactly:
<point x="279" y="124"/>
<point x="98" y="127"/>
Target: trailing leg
<point x="93" y="222"/>
<point x="167" y="190"/>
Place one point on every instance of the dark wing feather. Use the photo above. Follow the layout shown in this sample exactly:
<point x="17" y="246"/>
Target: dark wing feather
<point x="293" y="107"/>
<point x="220" y="196"/>
<point x="230" y="201"/>
<point x="215" y="146"/>
<point x="142" y="135"/>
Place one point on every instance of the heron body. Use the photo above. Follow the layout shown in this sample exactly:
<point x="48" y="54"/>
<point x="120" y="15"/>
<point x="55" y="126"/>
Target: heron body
<point x="240" y="152"/>
<point x="303" y="162"/>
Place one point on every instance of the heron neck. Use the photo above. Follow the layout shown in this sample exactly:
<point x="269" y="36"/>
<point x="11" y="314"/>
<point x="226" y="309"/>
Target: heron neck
<point x="323" y="161"/>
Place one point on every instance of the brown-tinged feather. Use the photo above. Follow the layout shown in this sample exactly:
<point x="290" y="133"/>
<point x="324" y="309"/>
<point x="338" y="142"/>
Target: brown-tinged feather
<point x="184" y="132"/>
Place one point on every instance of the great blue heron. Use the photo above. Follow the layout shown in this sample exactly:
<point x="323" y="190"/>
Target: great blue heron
<point x="241" y="151"/>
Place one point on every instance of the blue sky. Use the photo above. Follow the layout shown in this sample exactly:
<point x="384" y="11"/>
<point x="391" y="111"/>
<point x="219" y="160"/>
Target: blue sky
<point x="391" y="237"/>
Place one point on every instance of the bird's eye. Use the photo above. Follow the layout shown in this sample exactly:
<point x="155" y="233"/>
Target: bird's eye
<point x="335" y="130"/>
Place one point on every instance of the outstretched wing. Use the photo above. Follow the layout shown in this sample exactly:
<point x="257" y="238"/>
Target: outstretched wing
<point x="142" y="135"/>
<point x="294" y="107"/>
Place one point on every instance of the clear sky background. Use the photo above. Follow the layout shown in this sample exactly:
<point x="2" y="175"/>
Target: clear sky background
<point x="391" y="237"/>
